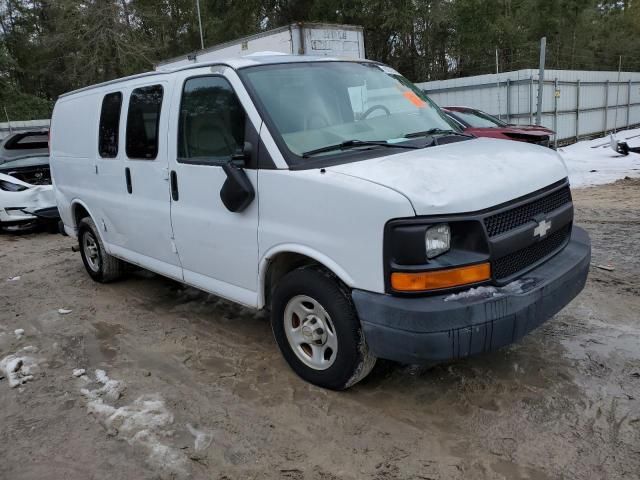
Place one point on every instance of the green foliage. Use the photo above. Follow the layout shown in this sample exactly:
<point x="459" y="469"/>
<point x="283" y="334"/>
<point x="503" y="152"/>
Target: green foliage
<point x="23" y="106"/>
<point x="49" y="47"/>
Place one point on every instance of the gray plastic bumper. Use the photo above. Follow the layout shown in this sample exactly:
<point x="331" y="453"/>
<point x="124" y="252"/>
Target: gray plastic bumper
<point x="427" y="329"/>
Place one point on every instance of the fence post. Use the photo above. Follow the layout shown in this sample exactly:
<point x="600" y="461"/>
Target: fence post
<point x="508" y="100"/>
<point x="543" y="51"/>
<point x="606" y="105"/>
<point x="577" y="110"/>
<point x="628" y="102"/>
<point x="615" y="121"/>
<point x="531" y="100"/>
<point x="555" y="112"/>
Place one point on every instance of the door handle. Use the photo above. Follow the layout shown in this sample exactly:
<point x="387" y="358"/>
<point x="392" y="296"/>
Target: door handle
<point x="127" y="175"/>
<point x="174" y="186"/>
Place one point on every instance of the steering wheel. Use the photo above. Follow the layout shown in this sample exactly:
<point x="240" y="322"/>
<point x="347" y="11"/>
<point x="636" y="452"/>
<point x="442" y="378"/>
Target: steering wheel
<point x="374" y="108"/>
<point x="310" y="125"/>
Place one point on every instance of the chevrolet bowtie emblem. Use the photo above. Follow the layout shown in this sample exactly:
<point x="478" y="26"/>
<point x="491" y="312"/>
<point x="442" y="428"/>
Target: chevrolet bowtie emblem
<point x="542" y="229"/>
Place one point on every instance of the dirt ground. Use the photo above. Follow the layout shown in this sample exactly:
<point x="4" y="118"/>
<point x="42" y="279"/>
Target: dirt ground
<point x="196" y="387"/>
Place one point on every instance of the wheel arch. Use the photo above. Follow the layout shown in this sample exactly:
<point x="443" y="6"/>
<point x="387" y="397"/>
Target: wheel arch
<point x="80" y="210"/>
<point x="282" y="259"/>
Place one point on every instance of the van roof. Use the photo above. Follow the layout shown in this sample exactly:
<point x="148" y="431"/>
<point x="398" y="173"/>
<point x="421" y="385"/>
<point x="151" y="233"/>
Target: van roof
<point x="259" y="58"/>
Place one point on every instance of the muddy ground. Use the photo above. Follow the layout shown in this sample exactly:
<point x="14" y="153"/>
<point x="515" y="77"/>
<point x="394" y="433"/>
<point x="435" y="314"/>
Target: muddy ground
<point x="197" y="389"/>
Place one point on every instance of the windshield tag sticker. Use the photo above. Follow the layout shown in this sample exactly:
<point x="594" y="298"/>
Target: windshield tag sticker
<point x="415" y="99"/>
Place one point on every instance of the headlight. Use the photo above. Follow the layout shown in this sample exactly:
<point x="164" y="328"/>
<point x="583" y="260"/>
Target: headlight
<point x="438" y="240"/>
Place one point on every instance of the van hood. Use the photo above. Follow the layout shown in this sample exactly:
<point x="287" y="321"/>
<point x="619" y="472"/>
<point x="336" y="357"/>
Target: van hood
<point x="464" y="176"/>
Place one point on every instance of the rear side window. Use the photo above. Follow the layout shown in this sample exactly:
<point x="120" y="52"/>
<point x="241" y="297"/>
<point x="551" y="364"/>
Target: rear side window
<point x="27" y="141"/>
<point x="143" y="122"/>
<point x="212" y="121"/>
<point x="109" y="125"/>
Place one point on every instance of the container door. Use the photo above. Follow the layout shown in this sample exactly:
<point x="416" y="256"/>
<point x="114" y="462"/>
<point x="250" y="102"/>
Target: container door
<point x="218" y="247"/>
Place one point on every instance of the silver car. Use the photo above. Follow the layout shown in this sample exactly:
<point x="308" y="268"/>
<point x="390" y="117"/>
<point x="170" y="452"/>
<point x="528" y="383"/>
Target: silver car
<point x="21" y="144"/>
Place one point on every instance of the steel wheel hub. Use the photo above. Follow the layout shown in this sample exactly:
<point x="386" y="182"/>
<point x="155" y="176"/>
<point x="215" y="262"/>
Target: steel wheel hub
<point x="310" y="332"/>
<point x="90" y="248"/>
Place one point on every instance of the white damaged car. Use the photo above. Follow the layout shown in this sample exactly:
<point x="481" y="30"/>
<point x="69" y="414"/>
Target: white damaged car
<point x="23" y="205"/>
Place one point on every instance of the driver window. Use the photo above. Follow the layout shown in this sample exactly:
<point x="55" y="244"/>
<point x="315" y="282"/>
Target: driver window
<point x="212" y="121"/>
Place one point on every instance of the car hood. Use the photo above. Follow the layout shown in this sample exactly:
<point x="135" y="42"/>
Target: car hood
<point x="528" y="131"/>
<point x="531" y="130"/>
<point x="464" y="176"/>
<point x="37" y="161"/>
<point x="8" y="155"/>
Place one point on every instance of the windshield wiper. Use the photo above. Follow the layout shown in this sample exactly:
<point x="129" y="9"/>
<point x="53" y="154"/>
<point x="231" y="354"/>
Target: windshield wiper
<point x="348" y="144"/>
<point x="436" y="131"/>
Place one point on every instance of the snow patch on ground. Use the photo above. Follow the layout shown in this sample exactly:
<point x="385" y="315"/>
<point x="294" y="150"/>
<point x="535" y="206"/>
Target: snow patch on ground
<point x="78" y="372"/>
<point x="64" y="311"/>
<point x="202" y="439"/>
<point x="145" y="423"/>
<point x="171" y="461"/>
<point x="18" y="332"/>
<point x="478" y="293"/>
<point x="110" y="389"/>
<point x="13" y="279"/>
<point x="19" y="368"/>
<point x="581" y="160"/>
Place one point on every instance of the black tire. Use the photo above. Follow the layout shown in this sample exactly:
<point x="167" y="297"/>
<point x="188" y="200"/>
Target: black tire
<point x="353" y="361"/>
<point x="107" y="268"/>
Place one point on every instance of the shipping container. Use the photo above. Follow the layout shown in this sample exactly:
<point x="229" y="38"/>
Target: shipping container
<point x="319" y="39"/>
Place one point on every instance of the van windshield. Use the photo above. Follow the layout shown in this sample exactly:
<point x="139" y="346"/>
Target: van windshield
<point x="315" y="105"/>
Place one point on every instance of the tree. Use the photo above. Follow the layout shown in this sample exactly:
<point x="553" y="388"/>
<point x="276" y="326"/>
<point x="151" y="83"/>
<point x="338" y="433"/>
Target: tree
<point x="48" y="47"/>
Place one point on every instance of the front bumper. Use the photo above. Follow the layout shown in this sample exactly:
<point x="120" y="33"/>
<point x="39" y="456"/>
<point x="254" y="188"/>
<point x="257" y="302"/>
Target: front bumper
<point x="15" y="216"/>
<point x="430" y="329"/>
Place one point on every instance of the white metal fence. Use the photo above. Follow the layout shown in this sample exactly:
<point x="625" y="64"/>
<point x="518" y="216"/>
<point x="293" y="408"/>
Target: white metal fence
<point x="575" y="103"/>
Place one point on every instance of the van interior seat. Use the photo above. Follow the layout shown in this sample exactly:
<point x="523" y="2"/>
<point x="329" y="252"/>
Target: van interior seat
<point x="209" y="136"/>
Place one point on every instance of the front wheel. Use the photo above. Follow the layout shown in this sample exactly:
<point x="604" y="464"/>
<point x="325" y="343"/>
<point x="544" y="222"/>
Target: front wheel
<point x="318" y="331"/>
<point x="100" y="266"/>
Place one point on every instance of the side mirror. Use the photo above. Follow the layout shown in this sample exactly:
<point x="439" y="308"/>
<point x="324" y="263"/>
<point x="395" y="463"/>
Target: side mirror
<point x="241" y="157"/>
<point x="237" y="192"/>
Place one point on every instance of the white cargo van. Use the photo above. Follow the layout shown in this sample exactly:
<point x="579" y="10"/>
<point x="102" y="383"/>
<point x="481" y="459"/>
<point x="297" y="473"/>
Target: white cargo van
<point x="333" y="193"/>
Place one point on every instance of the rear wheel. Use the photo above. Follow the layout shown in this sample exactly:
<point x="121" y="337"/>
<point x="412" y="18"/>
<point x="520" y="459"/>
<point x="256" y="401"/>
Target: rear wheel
<point x="100" y="266"/>
<point x="317" y="329"/>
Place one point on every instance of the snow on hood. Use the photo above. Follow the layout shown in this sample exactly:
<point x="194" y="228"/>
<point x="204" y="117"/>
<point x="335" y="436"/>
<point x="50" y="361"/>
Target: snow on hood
<point x="464" y="176"/>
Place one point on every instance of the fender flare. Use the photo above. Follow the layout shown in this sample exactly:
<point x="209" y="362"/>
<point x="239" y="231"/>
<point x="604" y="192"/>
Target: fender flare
<point x="74" y="203"/>
<point x="319" y="257"/>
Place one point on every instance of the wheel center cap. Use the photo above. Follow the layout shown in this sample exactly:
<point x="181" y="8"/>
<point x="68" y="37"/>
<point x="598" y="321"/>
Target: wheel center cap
<point x="307" y="331"/>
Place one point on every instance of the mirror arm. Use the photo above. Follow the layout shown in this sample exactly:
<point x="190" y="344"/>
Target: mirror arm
<point x="241" y="157"/>
<point x="237" y="192"/>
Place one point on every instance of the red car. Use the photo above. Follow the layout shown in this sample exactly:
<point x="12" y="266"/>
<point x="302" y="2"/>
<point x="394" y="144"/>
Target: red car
<point x="482" y="124"/>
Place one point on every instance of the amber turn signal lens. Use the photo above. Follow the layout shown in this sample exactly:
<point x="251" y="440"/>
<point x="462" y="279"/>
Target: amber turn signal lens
<point x="450" y="277"/>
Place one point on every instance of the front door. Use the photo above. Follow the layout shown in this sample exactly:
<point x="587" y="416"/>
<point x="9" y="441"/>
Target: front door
<point x="218" y="248"/>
